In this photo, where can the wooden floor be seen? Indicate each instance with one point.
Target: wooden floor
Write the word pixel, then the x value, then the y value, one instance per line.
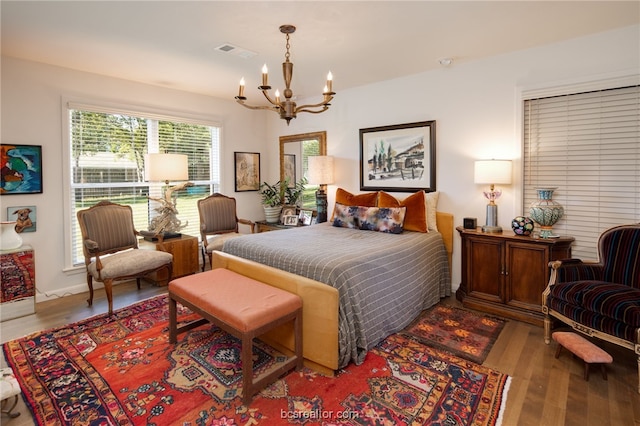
pixel 544 390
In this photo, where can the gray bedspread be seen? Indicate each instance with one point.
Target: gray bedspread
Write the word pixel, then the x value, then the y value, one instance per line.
pixel 384 280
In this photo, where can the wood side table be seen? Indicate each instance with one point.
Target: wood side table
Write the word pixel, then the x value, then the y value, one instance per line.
pixel 185 256
pixel 264 226
pixel 505 274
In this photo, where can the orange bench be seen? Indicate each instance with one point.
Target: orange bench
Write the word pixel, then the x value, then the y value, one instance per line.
pixel 244 308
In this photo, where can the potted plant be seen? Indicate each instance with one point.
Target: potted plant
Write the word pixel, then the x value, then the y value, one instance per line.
pixel 272 198
pixel 293 195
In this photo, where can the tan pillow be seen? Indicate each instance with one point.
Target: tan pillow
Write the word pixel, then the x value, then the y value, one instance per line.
pixel 432 207
pixel 416 216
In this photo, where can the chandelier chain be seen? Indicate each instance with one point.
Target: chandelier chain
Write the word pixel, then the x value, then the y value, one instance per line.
pixel 287 55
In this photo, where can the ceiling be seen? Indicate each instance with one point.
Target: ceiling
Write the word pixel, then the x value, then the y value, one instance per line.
pixel 173 43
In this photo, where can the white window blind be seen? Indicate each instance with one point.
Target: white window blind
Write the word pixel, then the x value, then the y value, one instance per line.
pixel 588 146
pixel 107 149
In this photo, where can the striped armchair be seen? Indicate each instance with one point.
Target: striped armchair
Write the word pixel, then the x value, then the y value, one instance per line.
pixel 110 247
pixel 218 223
pixel 600 299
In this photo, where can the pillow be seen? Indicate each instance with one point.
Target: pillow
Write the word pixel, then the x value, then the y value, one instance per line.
pixel 432 207
pixel 381 219
pixel 345 216
pixel 416 204
pixel 368 199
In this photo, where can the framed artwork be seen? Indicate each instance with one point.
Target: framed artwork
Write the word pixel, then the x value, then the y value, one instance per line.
pixel 306 216
pixel 247 171
pixel 398 158
pixel 21 169
pixel 287 211
pixel 290 220
pixel 289 169
pixel 24 216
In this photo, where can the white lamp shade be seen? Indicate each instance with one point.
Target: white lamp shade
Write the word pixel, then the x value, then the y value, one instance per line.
pixel 166 167
pixel 493 172
pixel 320 170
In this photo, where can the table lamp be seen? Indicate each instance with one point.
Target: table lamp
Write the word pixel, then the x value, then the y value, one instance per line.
pixel 165 168
pixel 320 169
pixel 492 172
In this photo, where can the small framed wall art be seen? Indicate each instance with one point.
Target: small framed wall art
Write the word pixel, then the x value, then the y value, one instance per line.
pixel 247 171
pixel 21 169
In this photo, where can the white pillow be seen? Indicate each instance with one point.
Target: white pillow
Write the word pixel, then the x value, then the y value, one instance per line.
pixel 432 206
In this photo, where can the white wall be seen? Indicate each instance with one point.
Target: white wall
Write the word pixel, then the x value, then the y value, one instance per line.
pixel 476 107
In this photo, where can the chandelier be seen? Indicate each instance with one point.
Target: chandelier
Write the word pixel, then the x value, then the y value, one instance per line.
pixel 287 108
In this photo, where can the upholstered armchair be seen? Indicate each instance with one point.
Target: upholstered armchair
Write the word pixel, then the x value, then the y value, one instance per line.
pixel 218 223
pixel 110 247
pixel 600 298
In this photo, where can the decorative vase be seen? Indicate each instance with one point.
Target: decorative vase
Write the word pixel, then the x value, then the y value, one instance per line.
pixel 522 225
pixel 9 239
pixel 272 214
pixel 545 211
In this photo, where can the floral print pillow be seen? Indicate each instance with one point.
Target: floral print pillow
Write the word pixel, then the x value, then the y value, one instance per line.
pixel 380 219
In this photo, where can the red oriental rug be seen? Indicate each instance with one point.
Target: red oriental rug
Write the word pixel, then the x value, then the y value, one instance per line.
pixel 121 370
pixel 466 334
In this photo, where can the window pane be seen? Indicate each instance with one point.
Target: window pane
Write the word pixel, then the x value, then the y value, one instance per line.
pixel 108 152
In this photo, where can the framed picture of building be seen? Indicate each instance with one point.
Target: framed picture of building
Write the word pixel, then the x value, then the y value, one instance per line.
pixel 400 158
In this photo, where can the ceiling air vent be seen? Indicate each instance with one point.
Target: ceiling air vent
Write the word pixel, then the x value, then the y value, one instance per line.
pixel 236 51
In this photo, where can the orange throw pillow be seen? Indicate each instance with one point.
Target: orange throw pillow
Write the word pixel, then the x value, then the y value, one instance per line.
pixel 368 199
pixel 416 217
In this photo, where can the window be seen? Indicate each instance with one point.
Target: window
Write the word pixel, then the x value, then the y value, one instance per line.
pixel 588 145
pixel 106 162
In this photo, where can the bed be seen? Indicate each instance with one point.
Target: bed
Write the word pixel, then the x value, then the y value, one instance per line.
pixel 383 281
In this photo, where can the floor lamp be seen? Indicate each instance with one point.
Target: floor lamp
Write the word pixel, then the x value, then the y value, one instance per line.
pixel 492 172
pixel 320 170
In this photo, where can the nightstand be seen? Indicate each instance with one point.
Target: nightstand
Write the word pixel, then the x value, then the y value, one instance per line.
pixel 505 274
pixel 264 226
pixel 185 256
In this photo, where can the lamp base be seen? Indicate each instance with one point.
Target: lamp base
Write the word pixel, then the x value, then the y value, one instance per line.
pixel 321 206
pixel 491 229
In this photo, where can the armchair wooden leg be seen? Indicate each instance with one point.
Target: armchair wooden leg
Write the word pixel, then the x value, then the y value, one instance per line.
pixel 108 288
pixel 638 373
pixel 547 329
pixel 90 284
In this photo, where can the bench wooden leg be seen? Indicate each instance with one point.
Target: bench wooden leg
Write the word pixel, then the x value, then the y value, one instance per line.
pixel 173 322
pixel 247 368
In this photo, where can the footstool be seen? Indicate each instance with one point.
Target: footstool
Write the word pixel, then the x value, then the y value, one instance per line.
pixel 583 349
pixel 9 387
pixel 244 308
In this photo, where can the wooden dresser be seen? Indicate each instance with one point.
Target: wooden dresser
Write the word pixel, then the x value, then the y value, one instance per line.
pixel 505 274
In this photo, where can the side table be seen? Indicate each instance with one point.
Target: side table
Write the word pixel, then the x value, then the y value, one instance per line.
pixel 185 256
pixel 17 282
pixel 264 226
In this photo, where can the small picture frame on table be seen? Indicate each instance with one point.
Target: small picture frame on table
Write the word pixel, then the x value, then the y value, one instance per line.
pixel 306 216
pixel 290 220
pixel 287 211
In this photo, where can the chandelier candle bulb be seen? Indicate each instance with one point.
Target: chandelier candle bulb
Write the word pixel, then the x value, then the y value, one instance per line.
pixel 329 82
pixel 241 88
pixel 265 75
